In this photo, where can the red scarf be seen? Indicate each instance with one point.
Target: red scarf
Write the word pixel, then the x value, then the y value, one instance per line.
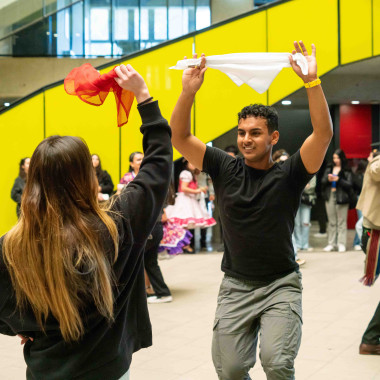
pixel 92 87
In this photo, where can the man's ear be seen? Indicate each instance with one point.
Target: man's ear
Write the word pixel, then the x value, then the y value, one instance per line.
pixel 275 137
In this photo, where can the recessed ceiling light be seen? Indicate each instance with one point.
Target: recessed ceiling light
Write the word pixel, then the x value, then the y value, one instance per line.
pixel 355 102
pixel 6 104
pixel 286 102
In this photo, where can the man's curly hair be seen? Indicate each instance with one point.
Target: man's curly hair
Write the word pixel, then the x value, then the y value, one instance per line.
pixel 260 111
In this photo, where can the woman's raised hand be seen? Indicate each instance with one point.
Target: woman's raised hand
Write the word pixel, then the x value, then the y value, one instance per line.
pixel 131 80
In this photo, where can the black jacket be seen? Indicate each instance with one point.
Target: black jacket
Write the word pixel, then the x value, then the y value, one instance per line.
pixel 105 350
pixel 343 186
pixel 16 192
pixel 105 182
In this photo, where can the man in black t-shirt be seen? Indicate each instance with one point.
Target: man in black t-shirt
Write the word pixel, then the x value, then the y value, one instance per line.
pixel 258 200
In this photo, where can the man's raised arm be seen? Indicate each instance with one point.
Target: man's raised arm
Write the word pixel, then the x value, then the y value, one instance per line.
pixel 188 145
pixel 314 148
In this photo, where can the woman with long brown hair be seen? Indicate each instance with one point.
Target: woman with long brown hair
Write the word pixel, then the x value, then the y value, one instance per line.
pixel 71 272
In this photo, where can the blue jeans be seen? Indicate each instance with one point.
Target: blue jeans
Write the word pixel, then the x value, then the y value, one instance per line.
pixel 302 226
pixel 358 228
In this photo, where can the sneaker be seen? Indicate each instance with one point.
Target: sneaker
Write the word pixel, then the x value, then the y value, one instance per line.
pixel 164 299
pixel 163 255
pixel 341 248
pixel 310 249
pixel 300 262
pixel 320 235
pixel 328 248
pixel 357 247
pixel 150 295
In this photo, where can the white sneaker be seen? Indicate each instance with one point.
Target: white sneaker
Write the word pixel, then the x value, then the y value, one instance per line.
pixel 328 248
pixel 319 235
pixel 160 299
pixel 341 248
pixel 300 262
pixel 357 247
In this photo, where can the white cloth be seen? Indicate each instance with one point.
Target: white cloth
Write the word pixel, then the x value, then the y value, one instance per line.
pixel 258 70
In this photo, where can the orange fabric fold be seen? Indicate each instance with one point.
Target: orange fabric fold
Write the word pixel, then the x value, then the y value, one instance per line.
pixel 93 88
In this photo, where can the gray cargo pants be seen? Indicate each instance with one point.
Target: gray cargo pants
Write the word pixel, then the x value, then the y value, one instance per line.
pixel 246 308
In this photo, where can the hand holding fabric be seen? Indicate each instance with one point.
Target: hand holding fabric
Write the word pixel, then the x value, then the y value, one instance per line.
pixel 93 88
pixel 193 76
pixel 311 62
pixel 129 79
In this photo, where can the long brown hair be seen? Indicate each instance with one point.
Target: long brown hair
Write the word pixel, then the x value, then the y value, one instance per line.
pixel 55 253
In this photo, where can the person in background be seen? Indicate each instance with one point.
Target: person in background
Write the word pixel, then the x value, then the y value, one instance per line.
pixel 71 270
pixel 232 151
pixel 336 184
pixel 204 181
pixel 154 278
pixel 19 184
pixel 280 156
pixel 302 221
pixel 105 187
pixel 188 211
pixel 135 160
pixel 369 204
pixel 357 185
pixel 320 206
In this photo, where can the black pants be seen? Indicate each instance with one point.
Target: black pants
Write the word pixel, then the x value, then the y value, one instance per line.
pixel 321 214
pixel 372 334
pixel 151 262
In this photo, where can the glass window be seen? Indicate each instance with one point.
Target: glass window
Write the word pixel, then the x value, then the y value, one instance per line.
pixel 51 6
pixel 126 27
pixel 203 14
pixel 189 16
pixel 77 34
pixel 6 46
pixel 97 28
pixel 176 25
pixel 17 14
pixel 153 24
pixel 36 40
pixel 64 32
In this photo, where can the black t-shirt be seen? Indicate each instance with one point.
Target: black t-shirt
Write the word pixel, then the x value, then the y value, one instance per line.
pixel 257 211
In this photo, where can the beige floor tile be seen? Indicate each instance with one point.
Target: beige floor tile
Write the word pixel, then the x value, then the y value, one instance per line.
pixel 337 309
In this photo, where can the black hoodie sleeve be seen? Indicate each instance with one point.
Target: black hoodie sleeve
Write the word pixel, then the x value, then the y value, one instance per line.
pixel 142 200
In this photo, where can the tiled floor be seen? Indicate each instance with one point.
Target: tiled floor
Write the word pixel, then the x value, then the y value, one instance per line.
pixel 337 309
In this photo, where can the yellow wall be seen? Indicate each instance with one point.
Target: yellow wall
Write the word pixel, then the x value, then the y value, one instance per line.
pixel 355 30
pixel 164 85
pixel 219 100
pixel 376 27
pixel 67 115
pixel 313 21
pixel 21 131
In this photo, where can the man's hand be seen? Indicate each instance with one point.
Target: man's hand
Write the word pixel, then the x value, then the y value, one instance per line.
pixel 311 61
pixel 131 80
pixel 193 77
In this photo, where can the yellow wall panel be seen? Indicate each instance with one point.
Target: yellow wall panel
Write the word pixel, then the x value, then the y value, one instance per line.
pixel 219 100
pixel 355 30
pixel 376 27
pixel 313 21
pixel 164 85
pixel 67 115
pixel 21 130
